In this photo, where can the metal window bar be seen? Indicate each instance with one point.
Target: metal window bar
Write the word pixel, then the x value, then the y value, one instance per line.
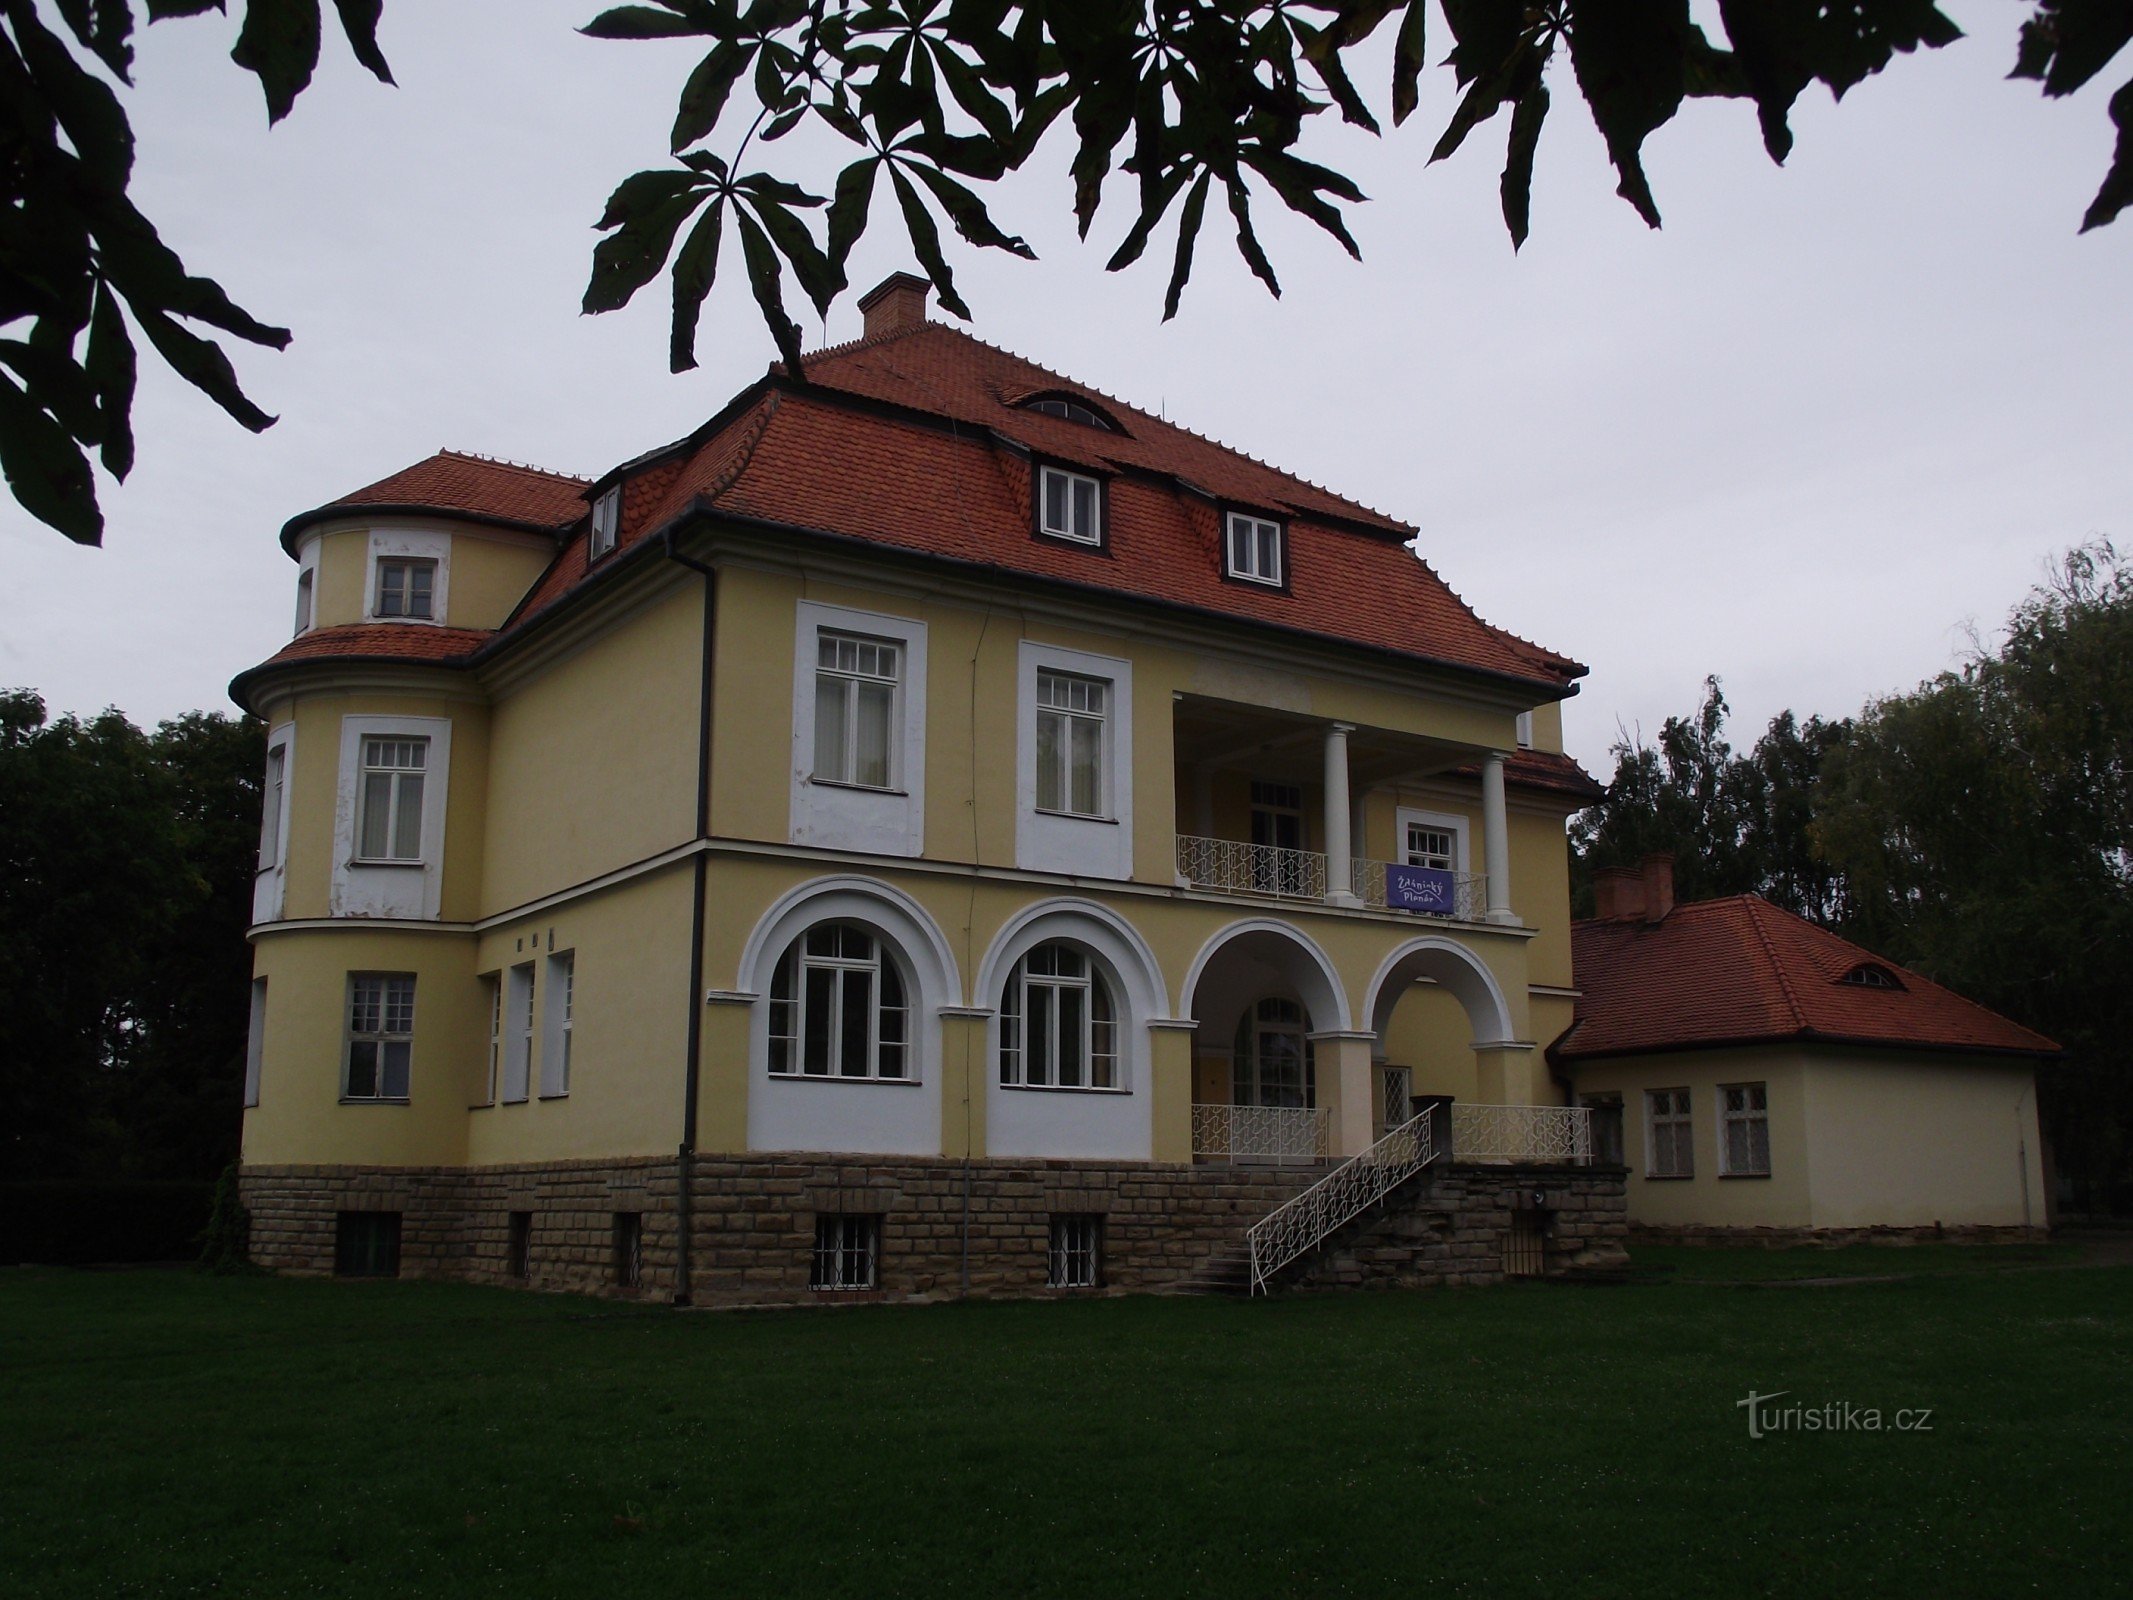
pixel 1340 1196
pixel 1275 1134
pixel 1244 868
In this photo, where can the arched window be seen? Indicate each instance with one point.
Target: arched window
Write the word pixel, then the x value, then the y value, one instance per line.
pixel 1272 1064
pixel 1058 1023
pixel 837 1007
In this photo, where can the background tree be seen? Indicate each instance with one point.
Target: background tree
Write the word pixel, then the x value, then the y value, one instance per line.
pixel 125 870
pixel 930 101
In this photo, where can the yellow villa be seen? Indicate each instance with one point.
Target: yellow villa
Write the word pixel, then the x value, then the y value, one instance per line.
pixel 934 829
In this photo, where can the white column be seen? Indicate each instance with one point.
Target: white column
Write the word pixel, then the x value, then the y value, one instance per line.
pixel 1496 839
pixel 1340 889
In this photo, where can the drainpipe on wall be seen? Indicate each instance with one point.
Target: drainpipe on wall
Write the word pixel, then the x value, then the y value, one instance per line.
pixel 685 1157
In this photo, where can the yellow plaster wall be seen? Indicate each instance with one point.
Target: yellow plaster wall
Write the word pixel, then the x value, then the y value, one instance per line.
pixel 630 999
pixel 1909 1141
pixel 593 761
pixel 1781 1200
pixel 300 1116
pixel 491 570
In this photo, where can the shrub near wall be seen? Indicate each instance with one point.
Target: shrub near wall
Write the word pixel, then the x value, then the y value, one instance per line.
pixel 76 1224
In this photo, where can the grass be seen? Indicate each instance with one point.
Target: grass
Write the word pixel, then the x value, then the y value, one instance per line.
pixel 1693 1264
pixel 167 1435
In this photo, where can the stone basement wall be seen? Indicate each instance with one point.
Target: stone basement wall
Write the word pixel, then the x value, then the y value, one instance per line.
pixel 1452 1225
pixel 754 1220
pixel 1831 1238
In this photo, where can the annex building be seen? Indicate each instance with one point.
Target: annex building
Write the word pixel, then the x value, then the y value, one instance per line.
pixel 934 829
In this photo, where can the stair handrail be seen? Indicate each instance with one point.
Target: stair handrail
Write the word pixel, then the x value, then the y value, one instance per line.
pixel 1303 1222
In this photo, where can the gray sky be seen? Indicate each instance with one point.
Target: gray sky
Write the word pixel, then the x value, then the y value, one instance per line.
pixel 1801 438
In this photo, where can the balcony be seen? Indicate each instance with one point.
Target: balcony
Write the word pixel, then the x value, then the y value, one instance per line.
pixel 1235 867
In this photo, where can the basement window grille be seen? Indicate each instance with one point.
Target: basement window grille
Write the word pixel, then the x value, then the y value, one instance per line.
pixel 847 1253
pixel 1076 1252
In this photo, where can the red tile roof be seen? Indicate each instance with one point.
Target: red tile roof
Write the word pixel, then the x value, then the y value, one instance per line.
pixel 465 486
pixel 913 442
pixel 1742 971
pixel 380 641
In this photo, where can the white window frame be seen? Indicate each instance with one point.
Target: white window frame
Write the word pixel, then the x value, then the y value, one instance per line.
pixel 1057 692
pixel 271 875
pixel 1524 733
pixel 1046 477
pixel 1449 822
pixel 559 992
pixel 492 984
pixel 851 679
pixel 391 888
pixel 846 1256
pixel 1098 845
pixel 606 522
pixel 395 577
pixel 378 756
pixel 409 544
pixel 1259 534
pixel 306 599
pixel 1748 1117
pixel 1092 1060
pixel 1683 1119
pixel 1074 1257
pixel 832 814
pixel 518 1033
pixel 789 1034
pixel 273 796
pixel 392 989
pixel 255 1043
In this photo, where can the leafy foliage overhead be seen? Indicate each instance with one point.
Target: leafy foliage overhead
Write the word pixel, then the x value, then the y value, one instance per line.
pixel 1181 97
pixel 81 269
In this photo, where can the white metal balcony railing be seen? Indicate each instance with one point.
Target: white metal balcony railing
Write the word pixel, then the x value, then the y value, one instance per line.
pixel 1242 868
pixel 1546 1135
pixel 1341 1195
pixel 1278 1134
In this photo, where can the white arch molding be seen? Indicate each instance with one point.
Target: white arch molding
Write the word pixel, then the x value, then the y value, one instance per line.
pixel 1317 982
pixel 857 1116
pixel 1088 1124
pixel 1454 968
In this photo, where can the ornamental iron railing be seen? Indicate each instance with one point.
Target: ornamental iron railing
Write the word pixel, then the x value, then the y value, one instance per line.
pixel 1339 1197
pixel 1277 1134
pixel 1540 1135
pixel 1251 868
pixel 1470 892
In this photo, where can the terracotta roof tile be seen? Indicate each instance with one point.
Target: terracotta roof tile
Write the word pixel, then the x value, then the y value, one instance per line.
pixel 473 486
pixel 380 641
pixel 1741 971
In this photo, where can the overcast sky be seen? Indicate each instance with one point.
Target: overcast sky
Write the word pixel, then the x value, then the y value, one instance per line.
pixel 1804 437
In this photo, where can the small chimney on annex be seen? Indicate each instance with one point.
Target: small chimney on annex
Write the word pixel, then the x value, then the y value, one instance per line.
pixel 894 304
pixel 1657 871
pixel 1617 892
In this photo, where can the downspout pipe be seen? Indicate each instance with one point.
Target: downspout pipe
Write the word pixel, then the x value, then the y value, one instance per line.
pixel 685 1156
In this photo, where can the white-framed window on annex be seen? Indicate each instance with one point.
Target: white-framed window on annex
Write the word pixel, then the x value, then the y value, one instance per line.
pixel 1070 505
pixel 1058 1023
pixel 857 702
pixel 1075 1258
pixel 606 523
pixel 1669 1134
pixel 1253 550
pixel 381 1036
pixel 273 789
pixel 1073 714
pixel 389 798
pixel 406 588
pixel 1744 1130
pixel 555 1042
pixel 839 1008
pixel 847 1253
pixel 305 591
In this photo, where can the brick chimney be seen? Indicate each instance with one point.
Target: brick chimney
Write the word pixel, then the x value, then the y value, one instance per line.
pixel 1657 871
pixel 894 304
pixel 1618 892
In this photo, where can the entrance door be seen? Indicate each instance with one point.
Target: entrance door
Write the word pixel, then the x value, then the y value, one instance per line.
pixel 1606 1112
pixel 1277 822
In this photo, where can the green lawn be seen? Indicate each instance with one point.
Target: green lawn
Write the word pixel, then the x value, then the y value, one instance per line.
pixel 165 1435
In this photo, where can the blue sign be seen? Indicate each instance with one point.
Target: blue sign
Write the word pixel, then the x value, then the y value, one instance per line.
pixel 1430 890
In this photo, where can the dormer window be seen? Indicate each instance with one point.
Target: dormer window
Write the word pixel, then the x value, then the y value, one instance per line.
pixel 606 521
pixel 1253 550
pixel 1069 409
pixel 1070 505
pixel 1871 975
pixel 406 589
